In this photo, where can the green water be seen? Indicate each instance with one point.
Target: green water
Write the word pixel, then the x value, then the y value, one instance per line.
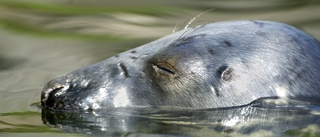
pixel 41 40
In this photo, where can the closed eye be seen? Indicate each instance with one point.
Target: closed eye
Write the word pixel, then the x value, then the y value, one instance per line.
pixel 163 69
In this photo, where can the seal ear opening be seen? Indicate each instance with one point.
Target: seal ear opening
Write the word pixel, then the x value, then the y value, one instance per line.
pixel 225 73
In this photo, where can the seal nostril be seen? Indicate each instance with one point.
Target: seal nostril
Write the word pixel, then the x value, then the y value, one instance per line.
pixel 50 92
pixel 49 99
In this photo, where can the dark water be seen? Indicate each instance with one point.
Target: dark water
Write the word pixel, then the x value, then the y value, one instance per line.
pixel 44 39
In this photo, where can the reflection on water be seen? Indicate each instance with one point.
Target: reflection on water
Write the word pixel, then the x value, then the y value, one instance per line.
pixel 41 40
pixel 254 120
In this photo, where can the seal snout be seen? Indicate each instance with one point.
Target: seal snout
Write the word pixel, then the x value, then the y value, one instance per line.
pixel 52 91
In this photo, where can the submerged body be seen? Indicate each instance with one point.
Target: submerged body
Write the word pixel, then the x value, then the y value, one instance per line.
pixel 216 65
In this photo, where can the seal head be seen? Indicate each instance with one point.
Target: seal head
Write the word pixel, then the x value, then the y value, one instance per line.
pixel 224 64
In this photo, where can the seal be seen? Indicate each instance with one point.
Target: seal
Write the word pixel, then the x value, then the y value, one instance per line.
pixel 218 65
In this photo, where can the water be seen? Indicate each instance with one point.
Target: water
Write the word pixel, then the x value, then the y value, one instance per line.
pixel 41 40
pixel 242 121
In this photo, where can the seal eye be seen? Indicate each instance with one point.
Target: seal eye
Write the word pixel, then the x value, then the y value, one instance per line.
pixel 162 69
